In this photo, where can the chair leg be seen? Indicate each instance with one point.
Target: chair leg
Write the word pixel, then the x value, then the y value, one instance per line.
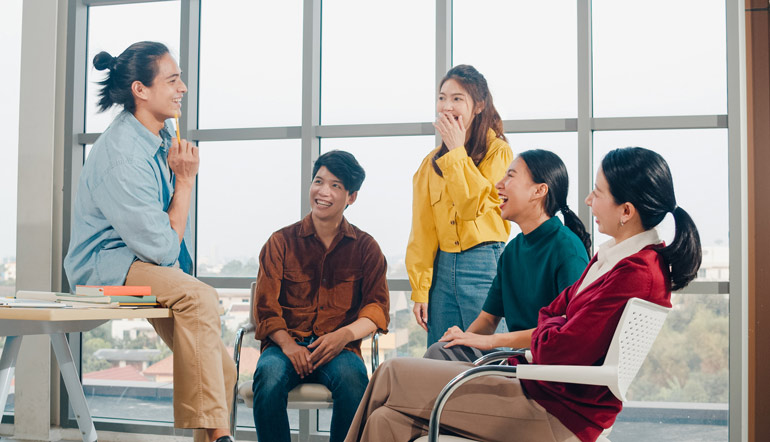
pixel 304 426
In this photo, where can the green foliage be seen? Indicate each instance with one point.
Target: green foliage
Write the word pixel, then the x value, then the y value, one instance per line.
pixel 688 362
pixel 90 363
pixel 238 268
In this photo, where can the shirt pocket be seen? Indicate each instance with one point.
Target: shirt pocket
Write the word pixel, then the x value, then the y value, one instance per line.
pixel 297 289
pixel 347 283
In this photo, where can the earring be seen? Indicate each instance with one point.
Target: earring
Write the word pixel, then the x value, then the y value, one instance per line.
pixel 622 223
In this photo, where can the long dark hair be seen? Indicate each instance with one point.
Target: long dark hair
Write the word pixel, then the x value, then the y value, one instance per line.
pixel 139 62
pixel 476 85
pixel 546 167
pixel 641 177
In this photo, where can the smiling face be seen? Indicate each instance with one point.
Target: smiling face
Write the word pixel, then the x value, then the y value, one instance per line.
pixel 164 98
pixel 328 196
pixel 607 213
pixel 519 194
pixel 454 100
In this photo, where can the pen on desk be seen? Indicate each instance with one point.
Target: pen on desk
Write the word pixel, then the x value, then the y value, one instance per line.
pixel 176 120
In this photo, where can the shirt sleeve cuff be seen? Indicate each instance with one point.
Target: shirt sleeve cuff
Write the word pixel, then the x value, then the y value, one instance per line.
pixel 268 326
pixel 374 313
pixel 451 157
pixel 420 296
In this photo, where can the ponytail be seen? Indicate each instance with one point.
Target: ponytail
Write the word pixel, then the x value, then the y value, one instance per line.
pixel 139 62
pixel 572 222
pixel 642 177
pixel 546 167
pixel 684 254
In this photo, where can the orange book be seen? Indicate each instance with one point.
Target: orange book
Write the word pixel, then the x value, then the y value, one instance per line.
pixel 113 290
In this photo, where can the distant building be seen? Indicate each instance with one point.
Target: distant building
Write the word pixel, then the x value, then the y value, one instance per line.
pixel 129 329
pixel 8 271
pixel 163 370
pixel 137 358
pixel 127 373
pixel 716 264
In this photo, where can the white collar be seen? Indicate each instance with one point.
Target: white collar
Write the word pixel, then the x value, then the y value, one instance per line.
pixel 611 252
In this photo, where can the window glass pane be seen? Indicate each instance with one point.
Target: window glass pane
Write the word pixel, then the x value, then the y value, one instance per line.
pixel 250 75
pixel 681 391
pixel 659 57
pixel 701 189
pixel 113 29
pixel 563 144
pixel 10 53
pixel 526 51
pixel 245 193
pixel 384 205
pixel 378 61
pixel 127 372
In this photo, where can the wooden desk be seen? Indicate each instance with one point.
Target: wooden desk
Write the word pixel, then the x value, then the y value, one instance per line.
pixel 15 323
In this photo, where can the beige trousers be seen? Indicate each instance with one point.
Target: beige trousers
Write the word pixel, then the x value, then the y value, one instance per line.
pixel 204 372
pixel 398 401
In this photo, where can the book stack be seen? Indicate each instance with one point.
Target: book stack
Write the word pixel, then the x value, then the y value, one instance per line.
pixel 97 296
pixel 124 295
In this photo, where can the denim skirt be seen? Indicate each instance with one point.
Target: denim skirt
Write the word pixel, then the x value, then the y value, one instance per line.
pixel 461 282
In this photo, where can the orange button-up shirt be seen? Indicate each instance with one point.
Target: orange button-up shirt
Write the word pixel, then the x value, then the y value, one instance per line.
pixel 305 288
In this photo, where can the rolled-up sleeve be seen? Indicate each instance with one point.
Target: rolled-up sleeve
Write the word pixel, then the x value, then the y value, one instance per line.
pixel 375 303
pixel 128 198
pixel 266 305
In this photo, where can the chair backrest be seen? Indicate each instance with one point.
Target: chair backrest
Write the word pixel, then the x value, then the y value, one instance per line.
pixel 638 327
pixel 252 318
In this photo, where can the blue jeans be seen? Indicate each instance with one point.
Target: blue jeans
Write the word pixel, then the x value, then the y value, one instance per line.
pixel 345 376
pixel 461 282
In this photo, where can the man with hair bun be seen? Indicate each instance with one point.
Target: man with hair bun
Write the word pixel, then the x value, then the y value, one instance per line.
pixel 321 288
pixel 130 226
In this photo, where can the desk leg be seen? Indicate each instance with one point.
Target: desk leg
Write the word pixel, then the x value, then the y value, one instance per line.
pixel 74 388
pixel 7 367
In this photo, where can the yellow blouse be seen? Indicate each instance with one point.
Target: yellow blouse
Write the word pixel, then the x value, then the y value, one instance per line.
pixel 454 212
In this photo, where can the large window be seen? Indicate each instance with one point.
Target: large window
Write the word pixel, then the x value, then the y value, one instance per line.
pixel 273 85
pixel 10 53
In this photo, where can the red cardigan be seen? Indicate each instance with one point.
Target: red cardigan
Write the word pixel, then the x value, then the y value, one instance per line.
pixel 584 337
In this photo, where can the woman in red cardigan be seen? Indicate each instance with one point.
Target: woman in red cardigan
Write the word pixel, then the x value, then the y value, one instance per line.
pixel 633 193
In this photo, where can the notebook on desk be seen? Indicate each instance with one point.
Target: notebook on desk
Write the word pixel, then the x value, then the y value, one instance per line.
pixel 29 303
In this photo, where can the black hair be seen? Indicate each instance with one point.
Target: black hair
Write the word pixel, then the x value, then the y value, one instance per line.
pixel 344 166
pixel 641 177
pixel 139 62
pixel 546 167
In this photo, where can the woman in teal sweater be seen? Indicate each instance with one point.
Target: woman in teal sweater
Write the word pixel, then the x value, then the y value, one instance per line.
pixel 545 258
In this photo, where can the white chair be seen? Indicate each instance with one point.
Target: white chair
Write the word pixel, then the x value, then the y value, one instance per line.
pixel 304 397
pixel 638 327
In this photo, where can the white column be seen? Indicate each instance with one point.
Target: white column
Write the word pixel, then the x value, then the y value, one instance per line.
pixel 38 233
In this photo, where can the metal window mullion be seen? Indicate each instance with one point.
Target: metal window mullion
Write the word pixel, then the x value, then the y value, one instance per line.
pixel 189 45
pixel 74 156
pixel 585 105
pixel 117 2
pixel 660 122
pixel 311 95
pixel 737 152
pixel 443 45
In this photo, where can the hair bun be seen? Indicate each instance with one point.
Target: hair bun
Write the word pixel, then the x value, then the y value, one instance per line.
pixel 103 60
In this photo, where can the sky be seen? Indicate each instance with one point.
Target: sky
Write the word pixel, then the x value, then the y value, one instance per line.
pixel 645 63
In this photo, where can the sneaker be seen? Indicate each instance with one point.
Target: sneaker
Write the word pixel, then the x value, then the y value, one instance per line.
pixel 225 439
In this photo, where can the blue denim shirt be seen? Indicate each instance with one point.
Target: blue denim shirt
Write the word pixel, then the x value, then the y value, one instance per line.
pixel 120 208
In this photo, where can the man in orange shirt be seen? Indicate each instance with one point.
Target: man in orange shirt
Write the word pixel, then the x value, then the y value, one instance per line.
pixel 321 288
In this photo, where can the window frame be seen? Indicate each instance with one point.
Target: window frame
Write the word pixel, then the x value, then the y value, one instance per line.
pixel 311 132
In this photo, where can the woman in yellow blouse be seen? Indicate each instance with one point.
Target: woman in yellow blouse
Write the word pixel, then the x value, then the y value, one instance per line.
pixel 457 232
